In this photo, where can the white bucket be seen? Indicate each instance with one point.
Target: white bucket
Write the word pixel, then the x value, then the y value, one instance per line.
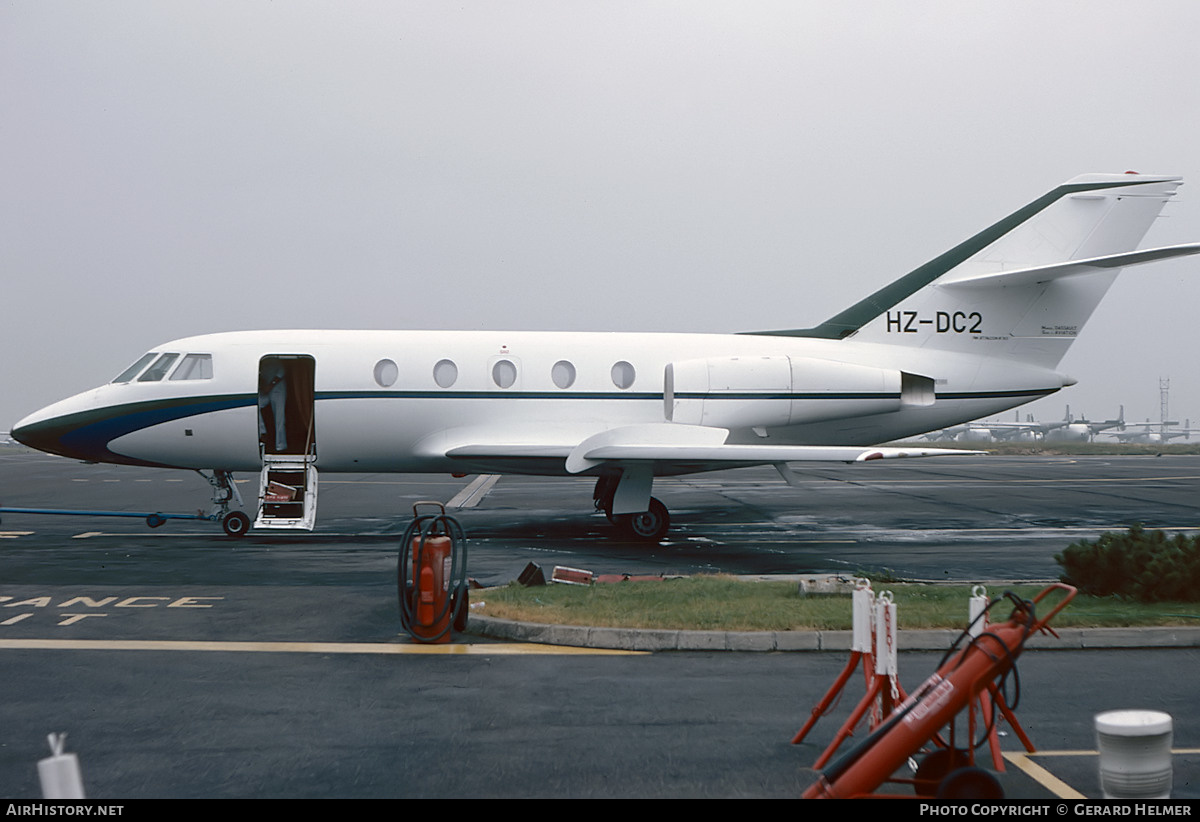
pixel 1135 754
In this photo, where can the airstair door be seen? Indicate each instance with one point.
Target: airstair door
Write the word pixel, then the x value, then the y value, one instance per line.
pixel 287 497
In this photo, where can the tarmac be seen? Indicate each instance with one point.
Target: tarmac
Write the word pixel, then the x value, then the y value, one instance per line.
pixel 187 665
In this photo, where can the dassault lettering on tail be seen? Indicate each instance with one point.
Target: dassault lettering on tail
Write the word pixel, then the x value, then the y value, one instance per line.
pixel 973 332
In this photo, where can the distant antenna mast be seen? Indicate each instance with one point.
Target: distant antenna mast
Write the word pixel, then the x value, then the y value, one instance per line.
pixel 1164 388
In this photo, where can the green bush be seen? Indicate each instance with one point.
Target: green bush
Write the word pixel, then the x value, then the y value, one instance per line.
pixel 1146 566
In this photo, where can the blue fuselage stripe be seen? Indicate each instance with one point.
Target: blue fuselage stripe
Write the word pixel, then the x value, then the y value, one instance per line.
pixel 86 435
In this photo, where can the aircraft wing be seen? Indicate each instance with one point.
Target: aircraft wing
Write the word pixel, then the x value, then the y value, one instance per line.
pixel 1013 426
pixel 674 448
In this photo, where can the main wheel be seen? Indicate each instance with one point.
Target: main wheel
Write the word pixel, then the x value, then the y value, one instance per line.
pixel 936 766
pixel 236 524
pixel 649 525
pixel 970 783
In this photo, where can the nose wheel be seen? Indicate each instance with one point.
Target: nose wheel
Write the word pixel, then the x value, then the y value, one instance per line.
pixel 236 523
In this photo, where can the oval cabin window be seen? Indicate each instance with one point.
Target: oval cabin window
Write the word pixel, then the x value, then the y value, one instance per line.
pixel 623 374
pixel 386 373
pixel 563 374
pixel 504 373
pixel 445 373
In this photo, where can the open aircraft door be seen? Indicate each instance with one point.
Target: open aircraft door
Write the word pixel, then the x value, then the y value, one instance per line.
pixel 287 497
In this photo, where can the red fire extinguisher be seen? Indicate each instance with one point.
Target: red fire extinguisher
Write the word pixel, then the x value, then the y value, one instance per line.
pixel 431 576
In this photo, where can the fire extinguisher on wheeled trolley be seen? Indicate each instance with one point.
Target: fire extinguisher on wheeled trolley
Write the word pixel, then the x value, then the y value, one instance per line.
pixel 431 576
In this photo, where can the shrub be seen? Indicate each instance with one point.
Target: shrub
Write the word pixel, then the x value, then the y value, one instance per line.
pixel 1146 566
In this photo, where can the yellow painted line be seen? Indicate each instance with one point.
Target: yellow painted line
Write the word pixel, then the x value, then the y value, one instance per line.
pixel 1186 751
pixel 499 648
pixel 1024 762
pixel 1042 776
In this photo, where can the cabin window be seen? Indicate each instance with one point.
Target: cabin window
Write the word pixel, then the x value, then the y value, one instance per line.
pixel 194 367
pixel 504 373
pixel 133 370
pixel 623 374
pixel 563 374
pixel 156 372
pixel 445 373
pixel 386 373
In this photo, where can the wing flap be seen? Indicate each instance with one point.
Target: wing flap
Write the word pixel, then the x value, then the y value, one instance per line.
pixel 761 454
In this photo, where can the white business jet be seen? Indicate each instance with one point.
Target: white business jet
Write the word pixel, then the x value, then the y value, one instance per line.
pixel 975 331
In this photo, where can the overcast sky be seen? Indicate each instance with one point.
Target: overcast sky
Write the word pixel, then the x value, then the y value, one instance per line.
pixel 179 168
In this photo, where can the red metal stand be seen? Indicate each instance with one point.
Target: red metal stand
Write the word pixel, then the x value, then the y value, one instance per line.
pixel 965 679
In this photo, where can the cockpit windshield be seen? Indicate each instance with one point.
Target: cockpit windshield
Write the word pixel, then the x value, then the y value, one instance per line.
pixel 191 367
pixel 133 370
pixel 155 372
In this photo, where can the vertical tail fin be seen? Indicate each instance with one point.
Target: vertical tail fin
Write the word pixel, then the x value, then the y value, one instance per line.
pixel 1023 287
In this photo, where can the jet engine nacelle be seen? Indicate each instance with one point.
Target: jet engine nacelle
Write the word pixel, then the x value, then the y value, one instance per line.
pixel 770 392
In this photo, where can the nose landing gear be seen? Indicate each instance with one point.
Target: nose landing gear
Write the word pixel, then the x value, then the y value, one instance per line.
pixel 235 523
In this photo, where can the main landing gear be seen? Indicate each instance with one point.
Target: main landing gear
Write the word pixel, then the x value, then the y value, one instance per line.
pixel 650 525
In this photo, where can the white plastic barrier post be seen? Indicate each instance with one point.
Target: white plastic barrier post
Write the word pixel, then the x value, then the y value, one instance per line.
pixel 977 605
pixel 885 634
pixel 1135 754
pixel 864 599
pixel 59 773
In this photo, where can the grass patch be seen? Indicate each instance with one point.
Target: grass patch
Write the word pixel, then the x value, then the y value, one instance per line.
pixel 726 603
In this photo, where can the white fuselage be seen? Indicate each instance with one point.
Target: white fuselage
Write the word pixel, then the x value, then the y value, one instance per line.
pixel 378 405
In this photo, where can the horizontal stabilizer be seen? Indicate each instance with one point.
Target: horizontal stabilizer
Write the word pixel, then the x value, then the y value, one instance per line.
pixel 1070 268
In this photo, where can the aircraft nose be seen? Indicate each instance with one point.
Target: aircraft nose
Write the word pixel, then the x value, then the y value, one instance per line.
pixel 61 428
pixel 43 432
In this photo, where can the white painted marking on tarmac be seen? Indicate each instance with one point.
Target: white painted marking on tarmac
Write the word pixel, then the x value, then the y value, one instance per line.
pixel 88 535
pixel 453 649
pixel 474 493
pixel 14 534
